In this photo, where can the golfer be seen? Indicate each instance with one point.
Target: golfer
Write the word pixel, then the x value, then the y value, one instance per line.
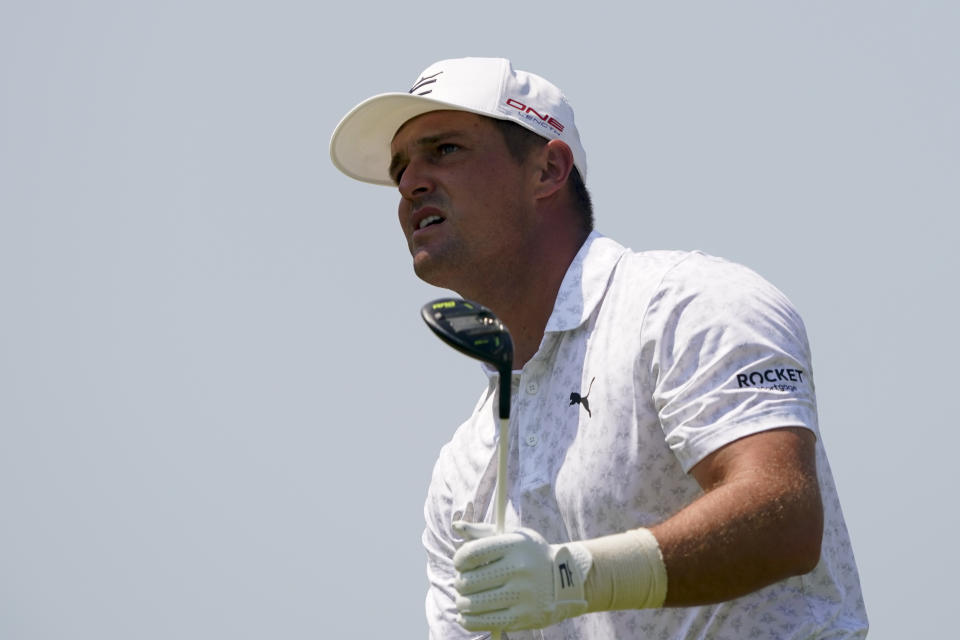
pixel 666 474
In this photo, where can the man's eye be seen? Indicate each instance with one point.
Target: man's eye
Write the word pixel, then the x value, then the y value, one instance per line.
pixel 446 147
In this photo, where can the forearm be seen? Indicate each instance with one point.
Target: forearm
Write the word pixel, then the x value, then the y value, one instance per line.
pixel 760 520
pixel 723 546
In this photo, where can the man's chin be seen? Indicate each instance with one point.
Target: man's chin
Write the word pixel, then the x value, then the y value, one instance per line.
pixel 429 269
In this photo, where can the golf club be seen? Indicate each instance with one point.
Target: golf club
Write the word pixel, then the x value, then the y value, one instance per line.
pixel 473 329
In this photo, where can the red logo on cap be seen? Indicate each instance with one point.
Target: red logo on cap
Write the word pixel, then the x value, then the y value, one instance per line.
pixel 516 104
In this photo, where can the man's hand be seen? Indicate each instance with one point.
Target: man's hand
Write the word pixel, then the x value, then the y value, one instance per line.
pixel 516 580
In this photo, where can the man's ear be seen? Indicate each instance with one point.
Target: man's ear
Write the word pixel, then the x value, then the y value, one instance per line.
pixel 556 164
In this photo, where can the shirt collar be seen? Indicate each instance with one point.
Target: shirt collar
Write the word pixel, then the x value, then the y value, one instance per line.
pixel 585 282
pixel 582 288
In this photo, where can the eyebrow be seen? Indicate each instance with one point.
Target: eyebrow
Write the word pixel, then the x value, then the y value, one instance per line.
pixel 398 158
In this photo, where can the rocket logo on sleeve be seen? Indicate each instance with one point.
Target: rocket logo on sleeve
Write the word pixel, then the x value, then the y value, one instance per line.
pixel 774 379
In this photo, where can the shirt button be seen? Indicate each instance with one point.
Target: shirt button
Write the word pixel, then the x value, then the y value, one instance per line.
pixel 532 440
pixel 532 387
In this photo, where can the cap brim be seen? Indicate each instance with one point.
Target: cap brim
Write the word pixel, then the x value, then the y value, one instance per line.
pixel 360 145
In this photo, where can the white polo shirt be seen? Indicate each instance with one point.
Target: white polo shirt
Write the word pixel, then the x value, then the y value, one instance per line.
pixel 650 362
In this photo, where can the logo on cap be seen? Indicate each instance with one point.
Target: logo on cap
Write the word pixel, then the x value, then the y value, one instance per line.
pixel 422 82
pixel 544 118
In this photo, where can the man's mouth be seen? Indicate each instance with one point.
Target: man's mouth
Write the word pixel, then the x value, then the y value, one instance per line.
pixel 429 220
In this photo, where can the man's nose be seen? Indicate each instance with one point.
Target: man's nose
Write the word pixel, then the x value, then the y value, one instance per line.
pixel 415 181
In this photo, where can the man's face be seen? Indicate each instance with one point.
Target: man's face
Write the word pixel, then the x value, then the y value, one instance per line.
pixel 466 203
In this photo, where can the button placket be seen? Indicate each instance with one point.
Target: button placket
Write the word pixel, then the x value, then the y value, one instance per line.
pixel 528 430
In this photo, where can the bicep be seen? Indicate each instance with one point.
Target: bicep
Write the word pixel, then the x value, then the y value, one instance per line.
pixel 780 456
pixel 770 478
pixel 760 519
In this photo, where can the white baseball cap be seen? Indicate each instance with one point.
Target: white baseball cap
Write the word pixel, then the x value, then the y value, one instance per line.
pixel 360 145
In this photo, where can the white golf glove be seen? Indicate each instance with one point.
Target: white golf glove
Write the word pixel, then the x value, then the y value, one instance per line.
pixel 516 580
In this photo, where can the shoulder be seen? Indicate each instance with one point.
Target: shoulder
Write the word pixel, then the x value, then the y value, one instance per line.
pixel 688 270
pixel 694 270
pixel 662 280
pixel 693 285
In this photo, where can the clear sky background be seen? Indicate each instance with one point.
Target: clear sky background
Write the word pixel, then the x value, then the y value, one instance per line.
pixel 219 408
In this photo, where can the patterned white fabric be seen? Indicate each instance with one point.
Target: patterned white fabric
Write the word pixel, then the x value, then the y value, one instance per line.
pixel 672 355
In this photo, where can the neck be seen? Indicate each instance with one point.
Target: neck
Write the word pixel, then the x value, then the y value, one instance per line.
pixel 524 299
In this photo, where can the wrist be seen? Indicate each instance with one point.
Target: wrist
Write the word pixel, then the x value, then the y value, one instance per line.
pixel 626 572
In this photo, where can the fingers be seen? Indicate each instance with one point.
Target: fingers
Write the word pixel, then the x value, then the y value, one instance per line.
pixel 473 530
pixel 523 543
pixel 476 553
pixel 511 618
pixel 484 602
pixel 488 610
pixel 496 621
pixel 486 577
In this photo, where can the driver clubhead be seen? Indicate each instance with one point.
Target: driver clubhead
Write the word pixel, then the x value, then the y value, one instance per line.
pixel 472 329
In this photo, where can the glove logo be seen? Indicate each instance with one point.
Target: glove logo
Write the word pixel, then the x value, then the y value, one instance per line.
pixel 566 576
pixel 576 398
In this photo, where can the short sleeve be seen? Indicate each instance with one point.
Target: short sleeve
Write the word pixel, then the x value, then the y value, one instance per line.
pixel 730 357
